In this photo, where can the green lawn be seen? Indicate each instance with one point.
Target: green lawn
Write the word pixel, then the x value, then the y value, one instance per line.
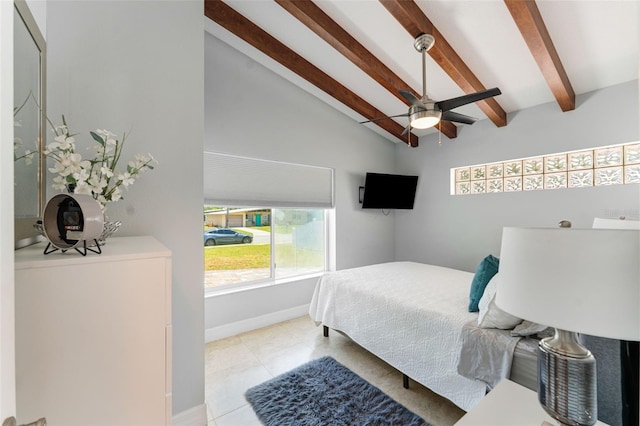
pixel 249 256
pixel 237 256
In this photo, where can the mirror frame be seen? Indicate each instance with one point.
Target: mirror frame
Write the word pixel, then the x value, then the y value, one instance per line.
pixel 25 233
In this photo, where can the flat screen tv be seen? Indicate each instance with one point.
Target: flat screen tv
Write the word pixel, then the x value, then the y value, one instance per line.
pixel 385 191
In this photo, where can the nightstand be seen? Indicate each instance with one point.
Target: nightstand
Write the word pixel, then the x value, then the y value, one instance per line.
pixel 509 404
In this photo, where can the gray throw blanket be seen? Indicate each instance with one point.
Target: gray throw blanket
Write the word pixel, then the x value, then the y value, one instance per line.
pixel 486 354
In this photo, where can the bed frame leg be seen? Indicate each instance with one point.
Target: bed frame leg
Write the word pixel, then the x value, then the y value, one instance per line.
pixel 325 331
pixel 405 381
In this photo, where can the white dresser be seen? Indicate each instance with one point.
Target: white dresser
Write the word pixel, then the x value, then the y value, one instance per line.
pixel 93 334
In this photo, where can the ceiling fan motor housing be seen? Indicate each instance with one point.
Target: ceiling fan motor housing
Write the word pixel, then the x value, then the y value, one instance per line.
pixel 424 42
pixel 421 118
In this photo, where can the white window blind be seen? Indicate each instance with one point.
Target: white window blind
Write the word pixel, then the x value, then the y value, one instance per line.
pixel 240 181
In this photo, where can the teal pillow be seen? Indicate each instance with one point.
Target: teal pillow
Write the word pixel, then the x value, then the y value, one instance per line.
pixel 487 268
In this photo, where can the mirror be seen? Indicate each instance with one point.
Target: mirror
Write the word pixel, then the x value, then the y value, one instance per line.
pixel 29 124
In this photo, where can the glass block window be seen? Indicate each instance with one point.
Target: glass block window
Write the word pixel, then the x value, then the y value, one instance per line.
pixel 532 166
pixel 600 166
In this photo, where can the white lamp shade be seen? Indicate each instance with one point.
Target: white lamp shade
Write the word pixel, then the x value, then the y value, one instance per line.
pixel 581 280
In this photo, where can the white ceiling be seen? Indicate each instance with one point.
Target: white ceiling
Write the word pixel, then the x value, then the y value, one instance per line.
pixel 597 42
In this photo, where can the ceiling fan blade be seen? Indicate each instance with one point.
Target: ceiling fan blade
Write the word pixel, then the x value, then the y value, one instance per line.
pixel 411 98
pixel 406 130
pixel 467 99
pixel 457 117
pixel 373 120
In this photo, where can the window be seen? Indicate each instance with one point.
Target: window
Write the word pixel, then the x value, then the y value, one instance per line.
pixel 299 242
pixel 283 234
pixel 607 165
pixel 245 246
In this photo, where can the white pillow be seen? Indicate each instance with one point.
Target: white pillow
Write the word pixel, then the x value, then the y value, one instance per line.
pixel 491 316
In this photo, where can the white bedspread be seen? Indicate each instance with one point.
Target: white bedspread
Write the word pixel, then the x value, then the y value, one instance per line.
pixel 408 314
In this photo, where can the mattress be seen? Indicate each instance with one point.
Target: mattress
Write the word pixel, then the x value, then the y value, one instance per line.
pixel 409 315
pixel 524 366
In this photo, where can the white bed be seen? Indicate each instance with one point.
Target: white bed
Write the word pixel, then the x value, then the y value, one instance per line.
pixel 410 315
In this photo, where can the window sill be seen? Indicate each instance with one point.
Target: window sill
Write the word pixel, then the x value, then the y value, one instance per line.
pixel 213 292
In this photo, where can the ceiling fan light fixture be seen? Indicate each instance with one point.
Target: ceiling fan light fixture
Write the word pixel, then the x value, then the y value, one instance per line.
pixel 425 119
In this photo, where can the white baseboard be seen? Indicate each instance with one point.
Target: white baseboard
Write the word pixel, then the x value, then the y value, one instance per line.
pixel 195 416
pixel 227 330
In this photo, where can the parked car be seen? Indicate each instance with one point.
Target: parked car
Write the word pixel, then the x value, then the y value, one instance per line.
pixel 217 236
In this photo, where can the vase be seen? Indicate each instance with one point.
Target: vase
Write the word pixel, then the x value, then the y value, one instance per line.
pixel 110 227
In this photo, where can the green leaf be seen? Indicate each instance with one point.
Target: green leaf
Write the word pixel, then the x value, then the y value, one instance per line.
pixel 97 138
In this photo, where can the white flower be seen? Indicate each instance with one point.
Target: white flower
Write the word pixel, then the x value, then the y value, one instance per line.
pixel 116 194
pixel 60 169
pixel 106 172
pixel 28 157
pixel 106 134
pixel 59 183
pixel 81 175
pixel 141 159
pixel 95 176
pixel 68 164
pixel 126 179
pixel 99 149
pixel 82 187
pixel 102 200
pixel 62 143
pixel 97 183
pixel 61 129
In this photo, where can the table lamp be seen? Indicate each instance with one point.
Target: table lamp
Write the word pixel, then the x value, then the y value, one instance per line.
pixel 577 281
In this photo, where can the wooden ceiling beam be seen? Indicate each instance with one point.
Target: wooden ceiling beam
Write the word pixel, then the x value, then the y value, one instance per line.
pixel 415 22
pixel 527 17
pixel 237 24
pixel 307 12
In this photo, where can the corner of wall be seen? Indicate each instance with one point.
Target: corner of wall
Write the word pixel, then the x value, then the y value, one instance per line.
pixel 195 416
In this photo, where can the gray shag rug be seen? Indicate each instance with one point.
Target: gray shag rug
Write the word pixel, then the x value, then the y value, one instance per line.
pixel 324 392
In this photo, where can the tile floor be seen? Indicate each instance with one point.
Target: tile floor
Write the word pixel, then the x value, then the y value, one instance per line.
pixel 234 364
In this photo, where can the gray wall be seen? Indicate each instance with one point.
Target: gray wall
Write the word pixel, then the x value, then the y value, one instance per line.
pixel 253 112
pixel 137 67
pixel 458 231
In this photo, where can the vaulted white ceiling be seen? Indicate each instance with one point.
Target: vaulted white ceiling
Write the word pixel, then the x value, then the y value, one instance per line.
pixel 596 44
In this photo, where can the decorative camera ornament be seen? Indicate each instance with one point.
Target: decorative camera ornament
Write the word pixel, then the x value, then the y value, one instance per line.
pixel 73 221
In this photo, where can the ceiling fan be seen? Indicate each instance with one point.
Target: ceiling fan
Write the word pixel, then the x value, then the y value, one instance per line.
pixel 425 112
